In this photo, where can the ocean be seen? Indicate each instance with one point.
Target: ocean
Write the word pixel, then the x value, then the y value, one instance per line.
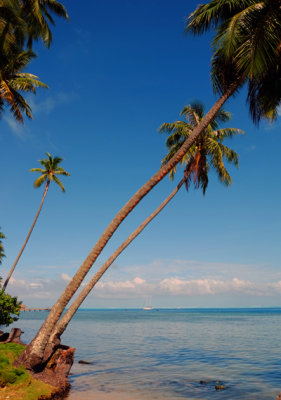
pixel 206 354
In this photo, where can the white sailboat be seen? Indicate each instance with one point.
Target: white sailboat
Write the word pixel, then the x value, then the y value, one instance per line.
pixel 147 306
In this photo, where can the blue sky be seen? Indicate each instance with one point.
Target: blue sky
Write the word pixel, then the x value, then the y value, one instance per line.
pixel 116 72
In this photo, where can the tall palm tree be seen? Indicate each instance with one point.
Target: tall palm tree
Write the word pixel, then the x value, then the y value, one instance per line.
pixel 2 253
pixel 230 71
pixel 208 152
pixel 49 174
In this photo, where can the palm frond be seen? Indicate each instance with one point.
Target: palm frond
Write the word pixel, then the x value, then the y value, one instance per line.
pixel 39 181
pixel 208 151
pixel 209 16
pixel 59 183
pixel 221 134
pixel 57 172
pixel 41 170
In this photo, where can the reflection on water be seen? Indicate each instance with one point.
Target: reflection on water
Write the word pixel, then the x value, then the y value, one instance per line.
pixel 172 354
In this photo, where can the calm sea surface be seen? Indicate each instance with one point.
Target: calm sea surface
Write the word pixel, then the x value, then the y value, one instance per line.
pixel 172 354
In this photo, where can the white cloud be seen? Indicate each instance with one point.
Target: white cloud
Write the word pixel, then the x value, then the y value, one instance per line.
pixel 176 286
pixel 65 277
pixel 50 103
pixel 163 279
pixel 139 281
pixel 15 126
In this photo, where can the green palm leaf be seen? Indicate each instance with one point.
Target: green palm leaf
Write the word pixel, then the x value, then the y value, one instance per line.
pixel 59 183
pixel 50 170
pixel 39 181
pixel 246 48
pixel 207 151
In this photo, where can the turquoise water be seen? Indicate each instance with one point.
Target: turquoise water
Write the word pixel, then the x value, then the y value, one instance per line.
pixel 172 354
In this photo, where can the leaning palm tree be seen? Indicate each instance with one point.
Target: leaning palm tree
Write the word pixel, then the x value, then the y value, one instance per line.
pixel 49 174
pixel 246 54
pixel 207 153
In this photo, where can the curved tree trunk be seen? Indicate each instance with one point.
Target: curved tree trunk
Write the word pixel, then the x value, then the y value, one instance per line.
pixel 33 356
pixel 65 319
pixel 27 238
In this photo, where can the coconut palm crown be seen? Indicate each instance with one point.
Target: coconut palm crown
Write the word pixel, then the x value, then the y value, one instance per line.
pixel 13 81
pixel 21 22
pixel 49 172
pixel 208 151
pixel 246 49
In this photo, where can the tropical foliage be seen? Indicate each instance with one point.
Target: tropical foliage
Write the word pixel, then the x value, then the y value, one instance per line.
pixel 50 171
pixel 13 81
pixel 49 174
pixel 21 22
pixel 246 49
pixel 9 308
pixel 208 150
pixel 38 16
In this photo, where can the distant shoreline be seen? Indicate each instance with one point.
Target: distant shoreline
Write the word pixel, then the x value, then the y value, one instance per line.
pixel 167 309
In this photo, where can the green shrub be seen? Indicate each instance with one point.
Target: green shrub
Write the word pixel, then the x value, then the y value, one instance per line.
pixel 9 308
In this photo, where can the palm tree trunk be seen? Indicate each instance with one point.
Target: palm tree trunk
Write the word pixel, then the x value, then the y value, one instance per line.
pixel 65 319
pixel 33 355
pixel 27 238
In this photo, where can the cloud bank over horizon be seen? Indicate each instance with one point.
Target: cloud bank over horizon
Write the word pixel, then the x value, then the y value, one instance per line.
pixel 175 282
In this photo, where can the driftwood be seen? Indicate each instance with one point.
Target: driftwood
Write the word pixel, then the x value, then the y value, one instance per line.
pixel 12 337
